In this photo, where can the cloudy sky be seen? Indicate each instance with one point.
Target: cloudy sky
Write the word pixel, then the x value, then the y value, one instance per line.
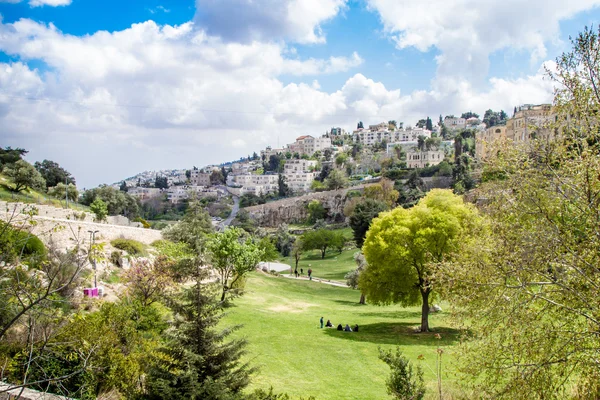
pixel 110 88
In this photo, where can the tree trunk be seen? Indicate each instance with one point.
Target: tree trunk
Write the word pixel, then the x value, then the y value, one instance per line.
pixel 224 292
pixel 425 310
pixel 323 253
pixel 362 299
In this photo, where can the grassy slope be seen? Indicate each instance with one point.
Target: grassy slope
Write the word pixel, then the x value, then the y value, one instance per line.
pixel 333 267
pixel 280 318
pixel 32 196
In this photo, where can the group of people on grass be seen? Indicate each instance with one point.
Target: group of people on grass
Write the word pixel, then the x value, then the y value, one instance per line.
pixel 302 273
pixel 339 327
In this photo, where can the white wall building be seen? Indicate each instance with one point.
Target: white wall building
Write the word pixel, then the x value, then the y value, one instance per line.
pixel 143 193
pixel 455 123
pixel 422 159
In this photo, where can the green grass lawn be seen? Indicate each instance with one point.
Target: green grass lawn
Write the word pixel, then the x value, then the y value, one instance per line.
pixel 33 196
pixel 280 319
pixel 333 267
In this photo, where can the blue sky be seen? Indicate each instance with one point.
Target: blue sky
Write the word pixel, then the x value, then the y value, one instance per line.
pixel 141 93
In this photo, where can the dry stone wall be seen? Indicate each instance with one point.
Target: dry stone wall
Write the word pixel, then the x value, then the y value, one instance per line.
pixel 294 210
pixel 64 230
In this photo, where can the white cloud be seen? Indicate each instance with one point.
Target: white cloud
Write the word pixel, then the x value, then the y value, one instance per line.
pixel 110 105
pixel 51 3
pixel 247 20
pixel 468 31
pixel 41 3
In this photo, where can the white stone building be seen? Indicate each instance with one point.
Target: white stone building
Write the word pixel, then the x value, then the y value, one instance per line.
pixel 455 123
pixel 421 159
pixel 143 193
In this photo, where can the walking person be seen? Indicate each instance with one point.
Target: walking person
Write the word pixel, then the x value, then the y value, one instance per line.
pixel 301 271
pixel 296 272
pixel 309 274
pixel 321 322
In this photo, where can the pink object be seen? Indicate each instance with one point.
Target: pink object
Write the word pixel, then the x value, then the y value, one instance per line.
pixel 90 292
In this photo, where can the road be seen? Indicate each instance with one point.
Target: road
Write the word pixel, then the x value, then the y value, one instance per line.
pixel 234 211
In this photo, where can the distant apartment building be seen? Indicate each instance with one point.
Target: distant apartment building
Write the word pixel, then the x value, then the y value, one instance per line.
pixel 255 184
pixel 177 194
pixel 268 152
pixel 484 138
pixel 336 132
pixel 421 159
pixel 293 166
pixel 299 174
pixel 528 121
pixel 408 135
pixel 454 123
pixel 308 145
pixel 199 178
pixel 143 193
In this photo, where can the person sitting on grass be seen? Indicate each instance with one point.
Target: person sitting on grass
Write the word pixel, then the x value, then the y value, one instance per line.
pixel 356 328
pixel 339 328
pixel 347 328
pixel 328 324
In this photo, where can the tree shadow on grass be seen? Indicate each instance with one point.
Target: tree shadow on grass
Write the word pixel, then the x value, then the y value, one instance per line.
pixel 399 333
pixel 398 315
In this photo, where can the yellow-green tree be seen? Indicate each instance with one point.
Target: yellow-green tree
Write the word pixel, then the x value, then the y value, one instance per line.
pixel 403 248
pixel 529 289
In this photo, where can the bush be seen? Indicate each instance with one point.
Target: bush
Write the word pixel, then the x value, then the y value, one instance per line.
pixel 115 258
pixel 131 246
pixel 402 382
pixel 14 243
pixel 144 223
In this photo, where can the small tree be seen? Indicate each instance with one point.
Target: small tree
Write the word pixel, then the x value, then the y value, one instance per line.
pixel 322 239
pixel 297 250
pixel 232 256
pixel 24 175
pixel 316 211
pixel 60 190
pixel 403 383
pixel 99 209
pixel 336 180
pixel 147 281
pixel 360 220
pixel 193 228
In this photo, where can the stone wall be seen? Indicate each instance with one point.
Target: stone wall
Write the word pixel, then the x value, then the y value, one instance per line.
pixel 58 226
pixel 293 210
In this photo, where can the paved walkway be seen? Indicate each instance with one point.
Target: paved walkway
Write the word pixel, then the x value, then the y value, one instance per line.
pixel 325 281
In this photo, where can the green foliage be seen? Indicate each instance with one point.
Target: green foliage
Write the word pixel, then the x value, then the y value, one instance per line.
pixel 196 361
pixel 54 174
pixel 268 249
pixel 131 246
pixel 336 180
pixel 100 209
pixel 360 220
pixel 16 243
pixel 8 156
pixel 323 239
pixel 192 229
pixel 403 248
pixel 283 240
pixel 142 221
pixel 117 202
pixel 232 254
pixel 283 189
pixel 444 169
pixel 403 383
pixel 60 191
pixel 24 176
pixel 115 258
pixel 528 286
pixel 250 199
pixel 316 211
pixel 161 182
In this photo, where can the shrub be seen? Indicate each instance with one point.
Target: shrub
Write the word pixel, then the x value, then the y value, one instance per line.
pixel 402 382
pixel 144 223
pixel 131 246
pixel 115 258
pixel 16 243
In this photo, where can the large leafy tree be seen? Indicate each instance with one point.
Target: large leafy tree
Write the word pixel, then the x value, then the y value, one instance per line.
pixel 404 246
pixel 61 191
pixel 24 176
pixel 529 289
pixel 8 155
pixel 54 173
